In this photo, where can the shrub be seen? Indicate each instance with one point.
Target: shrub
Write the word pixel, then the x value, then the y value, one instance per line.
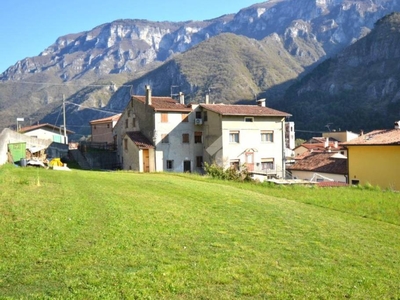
pixel 216 171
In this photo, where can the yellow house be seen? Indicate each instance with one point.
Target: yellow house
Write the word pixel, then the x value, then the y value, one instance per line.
pixel 375 158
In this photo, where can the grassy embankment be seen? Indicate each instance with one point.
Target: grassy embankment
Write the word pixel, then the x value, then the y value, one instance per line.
pixel 86 235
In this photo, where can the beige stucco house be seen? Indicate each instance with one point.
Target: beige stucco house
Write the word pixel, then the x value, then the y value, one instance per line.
pixel 154 134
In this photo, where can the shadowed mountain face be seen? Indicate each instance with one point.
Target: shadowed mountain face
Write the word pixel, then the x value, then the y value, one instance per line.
pixel 261 49
pixel 358 89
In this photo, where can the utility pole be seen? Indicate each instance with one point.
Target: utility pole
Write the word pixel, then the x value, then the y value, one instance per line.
pixel 64 121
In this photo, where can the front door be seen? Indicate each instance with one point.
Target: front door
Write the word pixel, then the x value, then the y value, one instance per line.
pixel 146 160
pixel 250 161
pixel 186 166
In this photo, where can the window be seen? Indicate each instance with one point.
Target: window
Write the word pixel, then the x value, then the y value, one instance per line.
pixel 267 136
pixel 94 127
pixel 126 123
pixel 199 161
pixel 170 164
pixel 185 117
pixel 185 138
pixel 129 113
pixel 164 118
pixel 164 138
pixel 198 137
pixel 198 114
pixel 205 117
pixel 267 164
pixel 108 125
pixel 233 136
pixel 355 182
pixel 133 122
pixel 249 119
pixel 126 144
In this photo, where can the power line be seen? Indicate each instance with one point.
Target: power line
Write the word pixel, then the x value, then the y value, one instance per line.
pixel 92 108
pixel 64 84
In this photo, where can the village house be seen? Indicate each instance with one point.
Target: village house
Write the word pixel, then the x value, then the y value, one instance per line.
pixel 162 134
pixel 320 167
pixel 47 132
pixel 250 135
pixel 374 158
pixel 152 134
pixel 102 129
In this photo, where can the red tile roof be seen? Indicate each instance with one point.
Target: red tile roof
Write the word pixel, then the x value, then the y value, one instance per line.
pixel 377 137
pixel 140 140
pixel 164 104
pixel 44 125
pixel 321 146
pixel 106 120
pixel 321 162
pixel 244 110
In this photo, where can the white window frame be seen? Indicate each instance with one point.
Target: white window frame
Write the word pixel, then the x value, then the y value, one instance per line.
pixel 267 136
pixel 265 162
pixel 234 136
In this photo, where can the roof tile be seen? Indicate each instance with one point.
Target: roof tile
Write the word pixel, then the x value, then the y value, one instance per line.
pixel 140 140
pixel 244 110
pixel 321 162
pixel 377 137
pixel 164 104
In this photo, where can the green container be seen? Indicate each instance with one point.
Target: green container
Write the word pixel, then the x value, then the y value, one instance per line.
pixel 17 150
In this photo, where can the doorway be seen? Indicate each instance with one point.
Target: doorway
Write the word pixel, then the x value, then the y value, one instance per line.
pixel 250 161
pixel 187 166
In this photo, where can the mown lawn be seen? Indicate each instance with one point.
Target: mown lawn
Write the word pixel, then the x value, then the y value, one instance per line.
pixel 118 235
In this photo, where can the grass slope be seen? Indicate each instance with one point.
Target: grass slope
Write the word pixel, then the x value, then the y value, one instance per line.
pixel 118 235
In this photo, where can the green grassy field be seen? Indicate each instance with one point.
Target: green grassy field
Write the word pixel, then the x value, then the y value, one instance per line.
pixel 119 235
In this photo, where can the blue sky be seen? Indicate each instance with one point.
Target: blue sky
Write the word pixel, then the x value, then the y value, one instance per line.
pixel 29 27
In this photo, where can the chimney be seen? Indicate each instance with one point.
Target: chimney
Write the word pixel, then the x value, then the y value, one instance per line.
pixel 207 99
pixel 397 125
pixel 148 95
pixel 181 98
pixel 362 132
pixel 326 142
pixel 261 102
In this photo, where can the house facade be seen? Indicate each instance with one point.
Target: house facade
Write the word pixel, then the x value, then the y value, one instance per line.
pixel 102 129
pixel 177 137
pixel 374 158
pixel 250 135
pixel 47 132
pixel 158 130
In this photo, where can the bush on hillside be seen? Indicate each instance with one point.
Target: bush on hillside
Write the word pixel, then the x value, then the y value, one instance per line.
pixel 219 172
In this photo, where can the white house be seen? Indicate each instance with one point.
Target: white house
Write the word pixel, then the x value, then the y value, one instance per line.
pixel 46 132
pixel 250 135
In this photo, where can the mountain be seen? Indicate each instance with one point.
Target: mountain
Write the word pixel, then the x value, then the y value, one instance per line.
pixel 276 41
pixel 358 89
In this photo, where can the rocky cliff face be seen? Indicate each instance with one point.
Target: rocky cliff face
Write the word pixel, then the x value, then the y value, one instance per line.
pixel 357 89
pixel 309 30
